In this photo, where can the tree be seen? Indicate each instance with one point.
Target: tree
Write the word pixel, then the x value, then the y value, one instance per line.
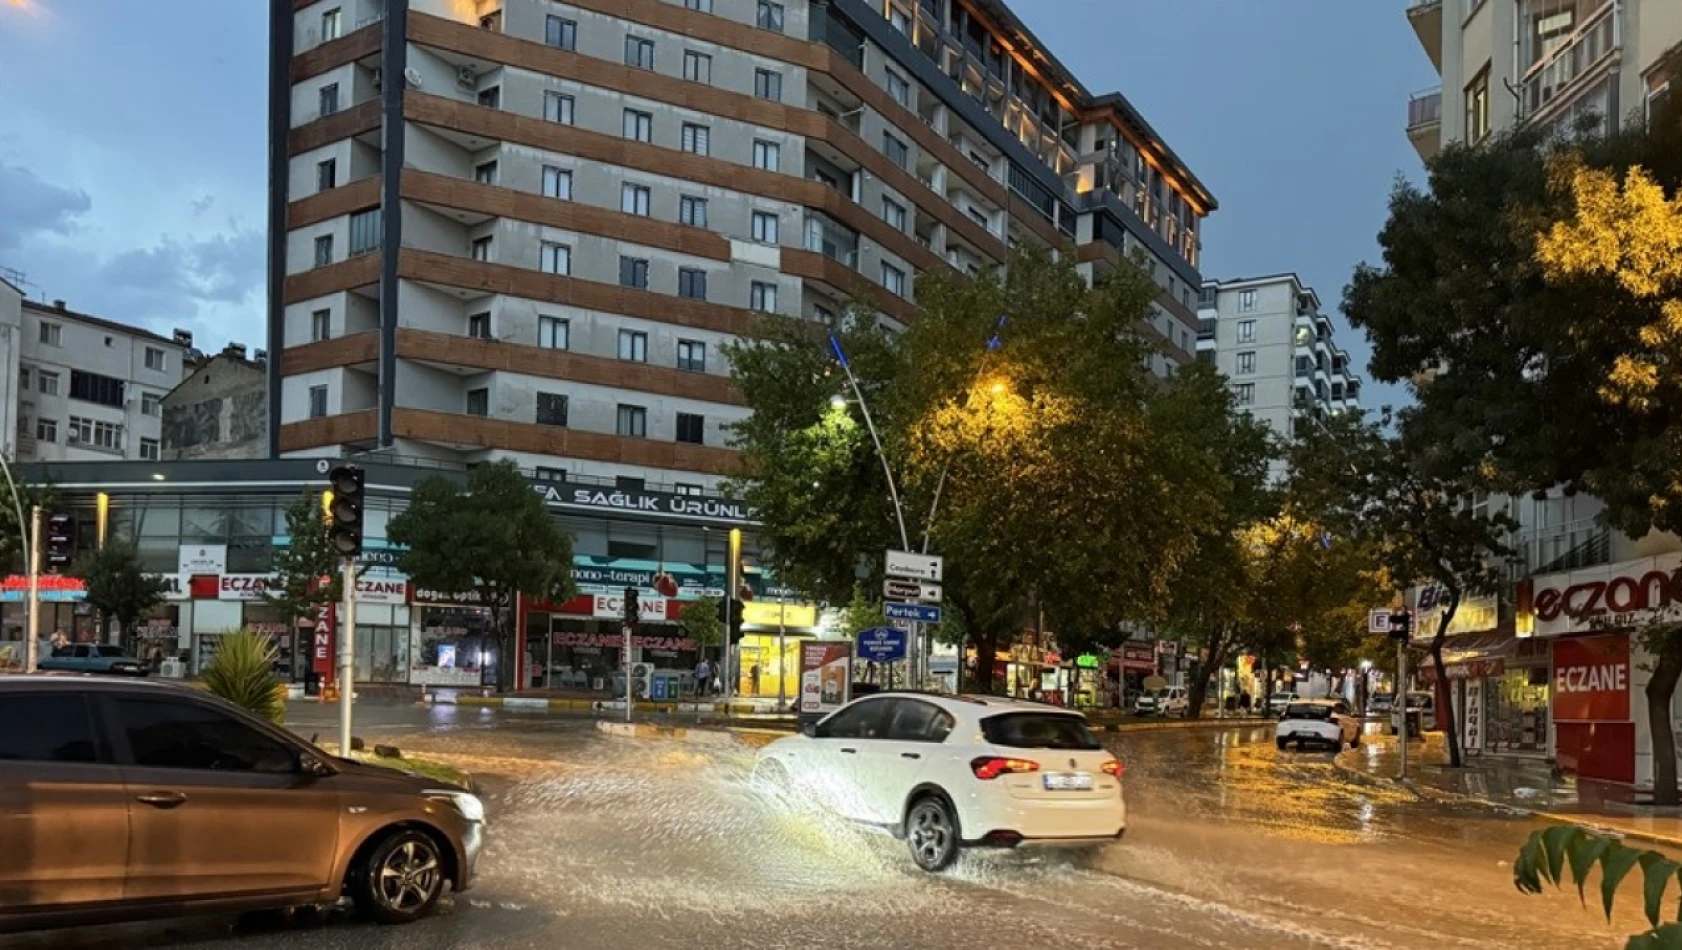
pixel 296 591
pixel 118 587
pixel 1373 489
pixel 703 621
pixel 1552 853
pixel 242 672
pixel 493 537
pixel 14 540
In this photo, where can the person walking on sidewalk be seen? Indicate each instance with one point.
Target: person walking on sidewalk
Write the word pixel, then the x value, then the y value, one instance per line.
pixel 703 677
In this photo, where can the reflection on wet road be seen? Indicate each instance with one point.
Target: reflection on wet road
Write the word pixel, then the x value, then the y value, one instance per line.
pixel 608 843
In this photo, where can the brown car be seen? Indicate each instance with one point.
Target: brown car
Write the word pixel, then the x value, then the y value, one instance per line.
pixel 124 799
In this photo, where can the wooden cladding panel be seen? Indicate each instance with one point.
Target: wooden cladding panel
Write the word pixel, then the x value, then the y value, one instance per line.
pixel 450 428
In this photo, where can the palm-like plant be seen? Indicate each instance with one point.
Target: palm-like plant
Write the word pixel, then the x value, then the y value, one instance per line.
pixel 242 672
pixel 1554 852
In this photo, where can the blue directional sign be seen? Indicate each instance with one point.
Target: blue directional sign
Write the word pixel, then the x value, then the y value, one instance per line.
pixel 917 613
pixel 882 644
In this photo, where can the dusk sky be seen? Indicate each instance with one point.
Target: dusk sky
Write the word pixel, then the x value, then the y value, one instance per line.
pixel 132 168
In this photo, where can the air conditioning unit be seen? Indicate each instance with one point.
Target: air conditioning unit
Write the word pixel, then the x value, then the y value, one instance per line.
pixel 467 77
pixel 412 76
pixel 379 78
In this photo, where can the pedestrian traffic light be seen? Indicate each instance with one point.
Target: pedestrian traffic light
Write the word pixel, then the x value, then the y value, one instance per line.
pixel 1401 626
pixel 344 532
pixel 633 611
pixel 61 541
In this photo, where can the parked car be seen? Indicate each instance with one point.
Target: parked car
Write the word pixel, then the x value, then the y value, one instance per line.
pixel 128 799
pixel 1278 701
pixel 945 773
pixel 1325 722
pixel 93 658
pixel 1167 701
pixel 1381 703
pixel 1422 706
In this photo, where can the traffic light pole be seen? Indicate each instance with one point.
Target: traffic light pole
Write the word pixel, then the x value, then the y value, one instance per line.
pixel 32 647
pixel 1402 697
pixel 347 657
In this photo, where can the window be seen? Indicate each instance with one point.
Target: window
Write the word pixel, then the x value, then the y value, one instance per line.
pixel 491 21
pixel 899 21
pixel 696 138
pixel 899 88
pixel 763 297
pixel 557 183
pixel 364 232
pixel 691 428
pixel 47 382
pixel 893 278
pixel 639 52
pixel 557 107
pixel 151 404
pixel 481 248
pixel 326 174
pixel 639 125
pixel 692 211
pixel 321 326
pixel 1244 394
pixel 700 6
pixel 175 734
pixel 485 173
pixel 633 422
pixel 324 250
pixel 479 326
pixel 555 258
pixel 685 488
pixel 894 213
pixel 1477 108
pixel 560 33
pixel 491 98
pixel 154 359
pixel 479 402
pixel 96 388
pixel 770 16
pixel 1246 331
pixel 768 84
pixel 691 283
pixel 329 99
pixel 1033 730
pixel 692 355
pixel 633 272
pixel 895 150
pixel 318 402
pixel 331 23
pixel 60 729
pixel 697 67
pixel 46 430
pixel 551 409
pixel 767 155
pixel 551 474
pixel 1246 364
pixel 50 334
pixel 553 332
pixel 1246 301
pixel 764 227
pixel 24 383
pixel 633 346
pixel 866 720
pixel 149 449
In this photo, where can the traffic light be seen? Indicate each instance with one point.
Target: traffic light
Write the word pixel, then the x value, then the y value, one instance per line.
pixel 1401 626
pixel 344 531
pixel 730 614
pixel 633 610
pixel 61 541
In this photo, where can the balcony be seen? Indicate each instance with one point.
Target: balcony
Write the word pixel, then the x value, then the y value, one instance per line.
pixel 1568 67
pixel 1425 122
pixel 1426 18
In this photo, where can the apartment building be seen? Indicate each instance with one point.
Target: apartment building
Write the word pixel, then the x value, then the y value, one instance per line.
pixel 525 228
pixel 1552 62
pixel 80 387
pixel 1270 339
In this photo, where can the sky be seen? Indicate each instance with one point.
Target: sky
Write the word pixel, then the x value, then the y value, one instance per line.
pixel 133 167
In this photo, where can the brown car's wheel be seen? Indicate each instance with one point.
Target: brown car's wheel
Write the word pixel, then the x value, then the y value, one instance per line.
pixel 402 879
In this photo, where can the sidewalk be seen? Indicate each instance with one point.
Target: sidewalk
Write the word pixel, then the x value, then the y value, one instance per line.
pixel 1527 785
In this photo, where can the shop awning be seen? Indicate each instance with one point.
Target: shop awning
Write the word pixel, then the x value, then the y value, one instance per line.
pixel 1466 648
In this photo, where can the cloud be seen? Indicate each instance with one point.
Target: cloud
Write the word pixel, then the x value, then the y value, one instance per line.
pixel 31 205
pixel 201 205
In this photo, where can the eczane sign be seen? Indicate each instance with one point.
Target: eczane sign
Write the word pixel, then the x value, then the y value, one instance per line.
pixel 1627 594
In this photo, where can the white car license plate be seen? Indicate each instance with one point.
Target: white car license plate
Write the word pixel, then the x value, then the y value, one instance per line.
pixel 1306 735
pixel 1068 781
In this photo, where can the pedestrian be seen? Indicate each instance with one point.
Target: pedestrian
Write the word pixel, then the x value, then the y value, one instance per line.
pixel 753 674
pixel 703 676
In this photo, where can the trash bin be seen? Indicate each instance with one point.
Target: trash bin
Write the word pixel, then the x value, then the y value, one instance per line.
pixel 657 689
pixel 312 683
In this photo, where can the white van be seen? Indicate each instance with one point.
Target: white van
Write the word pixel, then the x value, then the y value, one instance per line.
pixel 1163 701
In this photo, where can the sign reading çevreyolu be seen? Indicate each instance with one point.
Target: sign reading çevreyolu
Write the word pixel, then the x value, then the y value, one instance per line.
pixel 1627 594
pixel 1591 680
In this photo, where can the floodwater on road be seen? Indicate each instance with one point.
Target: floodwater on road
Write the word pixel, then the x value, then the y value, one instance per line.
pixel 599 842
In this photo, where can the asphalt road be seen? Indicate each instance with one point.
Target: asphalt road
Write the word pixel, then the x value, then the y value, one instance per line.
pixel 612 843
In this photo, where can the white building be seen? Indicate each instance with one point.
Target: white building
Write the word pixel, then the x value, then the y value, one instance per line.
pixel 1268 337
pixel 79 387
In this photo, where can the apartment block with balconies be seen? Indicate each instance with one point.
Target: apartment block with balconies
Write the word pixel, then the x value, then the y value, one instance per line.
pixel 528 228
pixel 1554 63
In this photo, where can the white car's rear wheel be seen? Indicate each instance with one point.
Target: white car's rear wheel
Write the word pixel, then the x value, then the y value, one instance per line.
pixel 931 832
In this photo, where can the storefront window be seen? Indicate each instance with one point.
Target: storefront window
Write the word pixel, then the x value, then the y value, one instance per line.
pixel 382 653
pixel 1516 707
pixel 451 646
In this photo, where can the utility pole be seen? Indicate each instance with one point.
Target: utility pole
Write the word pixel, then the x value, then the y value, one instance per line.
pixel 633 613
pixel 347 658
pixel 32 650
pixel 1401 628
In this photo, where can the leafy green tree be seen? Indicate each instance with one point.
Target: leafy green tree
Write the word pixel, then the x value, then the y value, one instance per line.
pixel 494 537
pixel 242 672
pixel 862 614
pixel 118 587
pixel 14 543
pixel 701 618
pixel 308 557
pixel 1551 854
pixel 1371 488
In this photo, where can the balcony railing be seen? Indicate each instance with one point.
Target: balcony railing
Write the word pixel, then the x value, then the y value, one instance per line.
pixel 1425 108
pixel 1582 50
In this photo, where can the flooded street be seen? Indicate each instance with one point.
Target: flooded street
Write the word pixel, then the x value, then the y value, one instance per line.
pixel 611 843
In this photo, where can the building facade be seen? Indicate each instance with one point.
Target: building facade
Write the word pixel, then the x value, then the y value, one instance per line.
pixel 1550 62
pixel 1269 338
pixel 80 387
pixel 221 410
pixel 526 228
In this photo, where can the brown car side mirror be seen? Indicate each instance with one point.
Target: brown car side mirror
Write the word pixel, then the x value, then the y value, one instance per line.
pixel 312 765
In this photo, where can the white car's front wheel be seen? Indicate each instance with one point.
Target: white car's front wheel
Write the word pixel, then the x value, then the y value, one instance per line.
pixel 931 832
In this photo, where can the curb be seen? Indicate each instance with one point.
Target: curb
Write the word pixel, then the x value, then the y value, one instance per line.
pixel 751 738
pixel 588 705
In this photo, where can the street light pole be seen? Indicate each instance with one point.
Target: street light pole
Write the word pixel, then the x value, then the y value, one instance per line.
pixel 1402 697
pixel 347 658
pixel 32 642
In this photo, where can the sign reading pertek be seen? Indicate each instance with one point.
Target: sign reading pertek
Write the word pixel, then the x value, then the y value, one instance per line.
pixel 882 644
pixel 914 613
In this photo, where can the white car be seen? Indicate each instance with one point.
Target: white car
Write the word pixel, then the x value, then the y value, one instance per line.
pixel 1171 701
pixel 1327 722
pixel 1421 704
pixel 945 773
pixel 1278 701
